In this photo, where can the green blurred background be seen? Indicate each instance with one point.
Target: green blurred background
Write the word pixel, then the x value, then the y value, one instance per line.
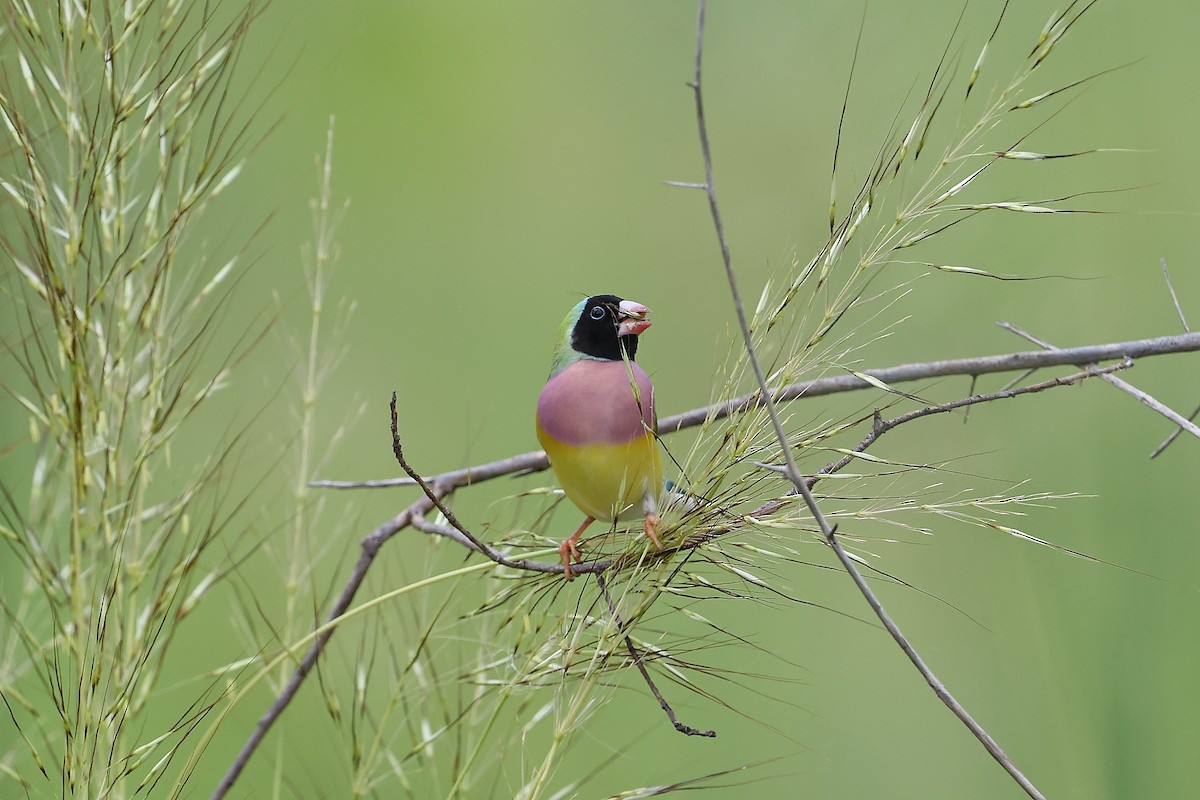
pixel 502 160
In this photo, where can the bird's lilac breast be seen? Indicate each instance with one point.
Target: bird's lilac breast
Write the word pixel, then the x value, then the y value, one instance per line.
pixel 592 402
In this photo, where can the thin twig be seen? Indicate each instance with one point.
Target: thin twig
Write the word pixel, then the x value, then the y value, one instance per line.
pixel 983 365
pixel 1142 397
pixel 1178 310
pixel 1174 434
pixel 467 539
pixel 881 426
pixel 637 661
pixel 793 471
pixel 1174 297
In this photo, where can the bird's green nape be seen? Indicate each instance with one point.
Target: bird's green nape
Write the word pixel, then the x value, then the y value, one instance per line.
pixel 564 354
pixel 602 327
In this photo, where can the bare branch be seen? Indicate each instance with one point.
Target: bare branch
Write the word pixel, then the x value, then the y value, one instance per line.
pixel 1142 397
pixel 983 365
pixel 1174 297
pixel 880 426
pixel 535 460
pixel 1174 435
pixel 458 532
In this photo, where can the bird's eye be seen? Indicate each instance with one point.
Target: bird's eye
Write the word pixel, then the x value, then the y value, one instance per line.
pixel 598 312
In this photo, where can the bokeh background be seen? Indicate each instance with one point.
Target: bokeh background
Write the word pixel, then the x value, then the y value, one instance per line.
pixel 503 160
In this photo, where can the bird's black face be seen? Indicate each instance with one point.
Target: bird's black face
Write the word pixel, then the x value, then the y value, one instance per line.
pixel 599 331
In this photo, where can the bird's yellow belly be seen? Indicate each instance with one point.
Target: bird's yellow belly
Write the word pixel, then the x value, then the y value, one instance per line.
pixel 606 481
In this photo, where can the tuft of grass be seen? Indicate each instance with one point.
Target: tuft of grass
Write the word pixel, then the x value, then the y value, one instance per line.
pixel 120 128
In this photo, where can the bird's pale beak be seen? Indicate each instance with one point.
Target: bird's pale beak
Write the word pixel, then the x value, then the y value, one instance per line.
pixel 631 318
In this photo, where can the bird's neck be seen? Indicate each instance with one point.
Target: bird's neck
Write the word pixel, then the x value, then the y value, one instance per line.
pixel 565 355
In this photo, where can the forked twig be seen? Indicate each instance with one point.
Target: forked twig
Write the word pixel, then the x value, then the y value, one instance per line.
pixel 881 426
pixel 1183 319
pixel 637 661
pixel 1142 397
pixel 1156 452
pixel 792 470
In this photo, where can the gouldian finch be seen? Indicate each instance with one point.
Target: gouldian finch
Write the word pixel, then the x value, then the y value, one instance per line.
pixel 596 420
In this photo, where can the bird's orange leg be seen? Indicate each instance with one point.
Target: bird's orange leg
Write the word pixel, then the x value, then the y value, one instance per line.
pixel 650 526
pixel 650 512
pixel 568 551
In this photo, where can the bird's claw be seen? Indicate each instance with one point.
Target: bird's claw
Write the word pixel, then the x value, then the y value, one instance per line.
pixel 649 527
pixel 568 552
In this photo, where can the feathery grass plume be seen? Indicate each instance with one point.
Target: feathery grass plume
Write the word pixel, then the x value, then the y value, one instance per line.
pixel 119 129
pixel 816 319
pixel 305 540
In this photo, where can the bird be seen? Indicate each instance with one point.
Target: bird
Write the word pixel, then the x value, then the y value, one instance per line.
pixel 596 419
